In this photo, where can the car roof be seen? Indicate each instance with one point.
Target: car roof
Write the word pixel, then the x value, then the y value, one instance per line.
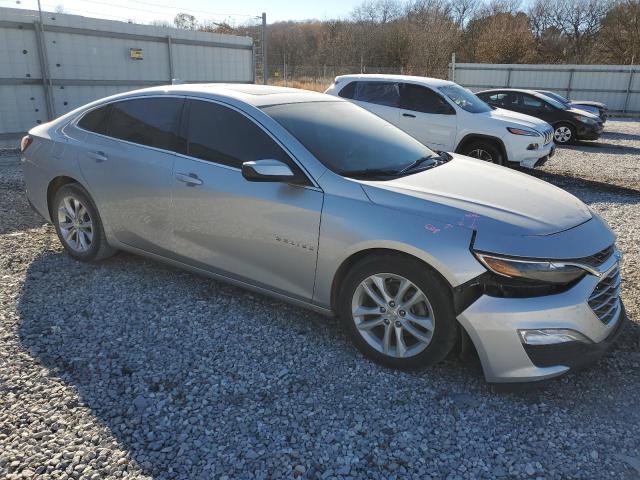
pixel 432 82
pixel 535 93
pixel 256 95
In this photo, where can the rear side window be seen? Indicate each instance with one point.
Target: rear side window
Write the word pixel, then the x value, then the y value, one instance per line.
pixel 380 93
pixel 153 122
pixel 222 135
pixel 422 99
pixel 348 91
pixel 96 120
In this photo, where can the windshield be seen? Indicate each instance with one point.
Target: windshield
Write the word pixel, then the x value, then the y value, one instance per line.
pixel 465 99
pixel 556 96
pixel 350 140
pixel 553 102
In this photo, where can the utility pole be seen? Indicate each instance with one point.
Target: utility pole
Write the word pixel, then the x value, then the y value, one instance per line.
pixel 265 67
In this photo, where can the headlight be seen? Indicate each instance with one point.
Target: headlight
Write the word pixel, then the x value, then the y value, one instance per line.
pixel 523 131
pixel 535 270
pixel 587 120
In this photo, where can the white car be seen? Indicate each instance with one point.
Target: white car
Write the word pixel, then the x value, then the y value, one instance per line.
pixel 447 117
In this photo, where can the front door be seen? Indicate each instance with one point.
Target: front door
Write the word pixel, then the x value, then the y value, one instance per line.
pixel 427 117
pixel 263 233
pixel 128 165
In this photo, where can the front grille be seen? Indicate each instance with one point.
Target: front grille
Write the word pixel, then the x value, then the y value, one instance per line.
pixel 605 299
pixel 596 259
pixel 548 136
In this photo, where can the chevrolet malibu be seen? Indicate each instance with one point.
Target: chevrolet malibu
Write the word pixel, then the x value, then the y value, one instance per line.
pixel 314 200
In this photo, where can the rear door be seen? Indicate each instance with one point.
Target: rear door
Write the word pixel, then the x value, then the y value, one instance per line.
pixel 427 116
pixel 263 233
pixel 381 98
pixel 128 166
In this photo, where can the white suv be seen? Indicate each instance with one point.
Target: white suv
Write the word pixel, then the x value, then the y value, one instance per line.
pixel 447 117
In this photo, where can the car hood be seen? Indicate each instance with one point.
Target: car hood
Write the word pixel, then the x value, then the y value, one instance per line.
pixel 470 193
pixel 588 103
pixel 519 119
pixel 576 110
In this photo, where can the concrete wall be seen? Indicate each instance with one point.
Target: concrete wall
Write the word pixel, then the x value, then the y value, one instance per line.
pixel 45 72
pixel 616 85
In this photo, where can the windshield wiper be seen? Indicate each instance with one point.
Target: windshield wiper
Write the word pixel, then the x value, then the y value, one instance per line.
pixel 416 164
pixel 370 172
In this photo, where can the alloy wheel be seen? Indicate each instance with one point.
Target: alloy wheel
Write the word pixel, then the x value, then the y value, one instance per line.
pixel 75 223
pixel 393 315
pixel 481 154
pixel 562 134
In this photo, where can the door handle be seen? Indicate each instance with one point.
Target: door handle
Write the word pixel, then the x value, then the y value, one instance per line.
pixel 191 179
pixel 98 156
pixel 409 115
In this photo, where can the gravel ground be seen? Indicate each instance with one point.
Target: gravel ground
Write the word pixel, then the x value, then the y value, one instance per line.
pixel 130 369
pixel 613 159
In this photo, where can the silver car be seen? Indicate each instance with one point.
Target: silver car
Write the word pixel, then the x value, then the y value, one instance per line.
pixel 318 202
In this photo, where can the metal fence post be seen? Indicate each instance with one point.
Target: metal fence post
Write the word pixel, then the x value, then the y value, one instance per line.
pixel 170 55
pixel 569 84
pixel 626 98
pixel 44 68
pixel 265 66
pixel 509 70
pixel 452 75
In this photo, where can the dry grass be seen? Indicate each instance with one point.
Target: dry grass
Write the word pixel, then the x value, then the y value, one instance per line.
pixel 317 85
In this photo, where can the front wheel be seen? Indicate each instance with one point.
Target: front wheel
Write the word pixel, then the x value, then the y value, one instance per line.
pixel 398 312
pixel 486 151
pixel 564 134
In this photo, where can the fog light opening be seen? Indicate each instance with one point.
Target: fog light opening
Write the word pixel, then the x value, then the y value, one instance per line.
pixel 551 336
pixel 533 146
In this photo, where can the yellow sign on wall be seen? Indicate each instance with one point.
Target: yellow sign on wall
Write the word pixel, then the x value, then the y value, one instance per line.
pixel 135 53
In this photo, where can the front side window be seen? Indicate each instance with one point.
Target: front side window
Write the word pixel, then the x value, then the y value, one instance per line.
pixel 531 102
pixel 380 93
pixel 422 99
pixel 222 135
pixel 465 99
pixel 348 139
pixel 153 122
pixel 96 120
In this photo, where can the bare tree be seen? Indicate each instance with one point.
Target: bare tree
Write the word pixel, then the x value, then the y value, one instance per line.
pixel 185 21
pixel 577 20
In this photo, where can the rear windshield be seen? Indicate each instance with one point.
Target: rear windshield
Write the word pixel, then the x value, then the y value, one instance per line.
pixel 347 138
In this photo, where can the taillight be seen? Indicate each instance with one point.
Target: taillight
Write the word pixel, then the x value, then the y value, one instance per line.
pixel 25 142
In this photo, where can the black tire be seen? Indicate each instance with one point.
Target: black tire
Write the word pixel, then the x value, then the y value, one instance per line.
pixel 484 150
pixel 561 139
pixel 445 332
pixel 98 248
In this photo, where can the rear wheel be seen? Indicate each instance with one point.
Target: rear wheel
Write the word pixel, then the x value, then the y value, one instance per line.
pixel 564 134
pixel 484 150
pixel 78 224
pixel 398 312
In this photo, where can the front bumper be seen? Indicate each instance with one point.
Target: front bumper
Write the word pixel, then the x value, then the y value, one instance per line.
pixel 589 132
pixel 492 323
pixel 530 158
pixel 576 355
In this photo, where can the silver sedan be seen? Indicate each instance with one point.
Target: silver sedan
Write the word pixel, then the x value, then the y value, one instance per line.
pixel 320 203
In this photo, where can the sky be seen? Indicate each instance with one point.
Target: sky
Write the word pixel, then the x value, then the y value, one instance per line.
pixel 240 11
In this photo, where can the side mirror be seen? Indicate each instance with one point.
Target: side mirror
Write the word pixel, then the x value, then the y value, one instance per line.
pixel 269 171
